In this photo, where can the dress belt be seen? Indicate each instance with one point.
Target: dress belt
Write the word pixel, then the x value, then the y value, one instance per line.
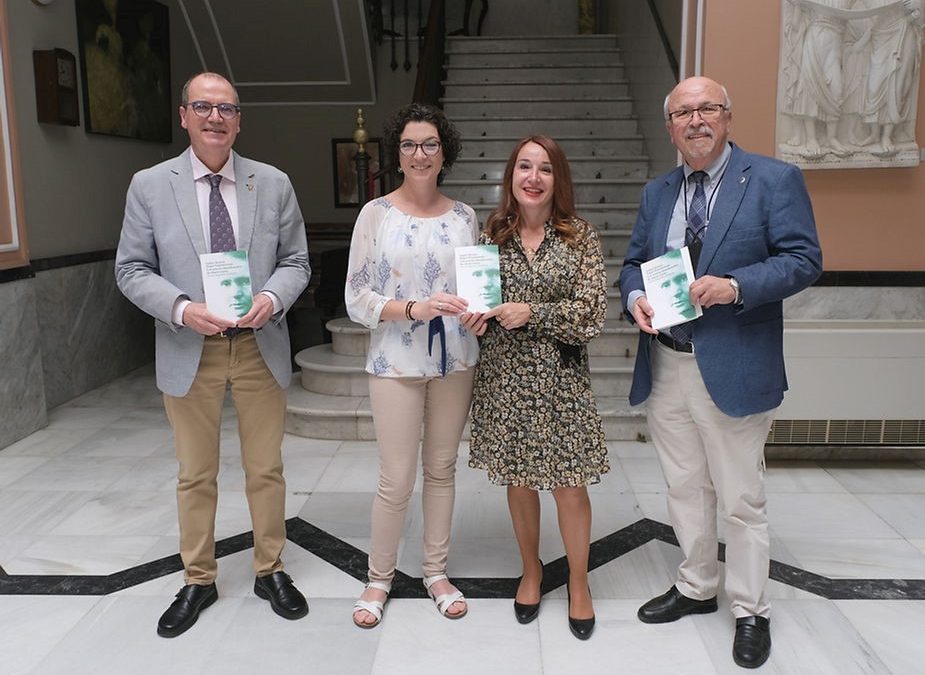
pixel 668 341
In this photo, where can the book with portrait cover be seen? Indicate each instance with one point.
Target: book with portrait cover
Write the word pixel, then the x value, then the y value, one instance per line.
pixel 478 276
pixel 667 280
pixel 226 280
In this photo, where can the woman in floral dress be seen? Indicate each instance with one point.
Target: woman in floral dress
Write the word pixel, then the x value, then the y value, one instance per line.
pixel 534 421
pixel 401 284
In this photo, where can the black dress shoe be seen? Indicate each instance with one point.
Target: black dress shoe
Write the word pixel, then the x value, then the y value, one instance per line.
pixel 752 644
pixel 184 611
pixel 526 613
pixel 672 606
pixel 284 597
pixel 581 628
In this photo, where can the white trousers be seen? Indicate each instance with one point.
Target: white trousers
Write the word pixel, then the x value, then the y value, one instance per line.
pixel 711 460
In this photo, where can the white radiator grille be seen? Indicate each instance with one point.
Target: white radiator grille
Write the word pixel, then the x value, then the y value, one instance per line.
pixel 847 432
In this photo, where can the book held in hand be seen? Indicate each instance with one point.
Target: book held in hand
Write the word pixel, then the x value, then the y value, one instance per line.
pixel 667 280
pixel 226 279
pixel 478 276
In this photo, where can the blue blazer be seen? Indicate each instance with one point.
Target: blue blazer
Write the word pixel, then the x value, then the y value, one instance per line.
pixel 762 232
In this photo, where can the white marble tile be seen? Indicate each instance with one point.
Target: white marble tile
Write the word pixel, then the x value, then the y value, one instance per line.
pixel 298 446
pixel 14 467
pixel 902 512
pixel 48 442
pixel 86 554
pixel 639 575
pixel 343 514
pixel 122 442
pixel 123 514
pixel 803 477
pixel 654 506
pixel 631 449
pixel 75 417
pixel 838 516
pixel 76 473
pixel 487 641
pixel 887 478
pixel 157 473
pixel 118 636
pixel 859 558
pixel 351 473
pixel 644 475
pixel 31 628
pixel 894 630
pixel 36 512
pixel 918 543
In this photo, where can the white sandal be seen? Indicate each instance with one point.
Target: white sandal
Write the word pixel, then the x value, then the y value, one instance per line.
pixel 445 601
pixel 374 607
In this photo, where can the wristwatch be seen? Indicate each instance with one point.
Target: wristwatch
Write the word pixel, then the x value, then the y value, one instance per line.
pixel 735 287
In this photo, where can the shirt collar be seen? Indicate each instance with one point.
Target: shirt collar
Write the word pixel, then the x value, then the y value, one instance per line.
pixel 716 169
pixel 200 170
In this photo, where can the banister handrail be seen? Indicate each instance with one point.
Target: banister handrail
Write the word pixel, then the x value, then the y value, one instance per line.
pixel 427 86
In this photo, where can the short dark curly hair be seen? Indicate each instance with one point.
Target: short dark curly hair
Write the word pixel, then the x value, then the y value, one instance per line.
pixel 421 112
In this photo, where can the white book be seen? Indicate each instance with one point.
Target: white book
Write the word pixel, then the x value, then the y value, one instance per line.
pixel 226 279
pixel 478 276
pixel 667 280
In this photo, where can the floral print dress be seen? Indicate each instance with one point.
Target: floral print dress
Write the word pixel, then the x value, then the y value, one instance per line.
pixel 534 419
pixel 397 256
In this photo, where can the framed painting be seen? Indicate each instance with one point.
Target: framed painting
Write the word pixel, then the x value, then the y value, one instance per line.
pixel 345 171
pixel 125 68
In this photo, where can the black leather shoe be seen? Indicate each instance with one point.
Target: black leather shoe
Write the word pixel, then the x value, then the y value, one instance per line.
pixel 284 597
pixel 184 611
pixel 672 606
pixel 526 613
pixel 581 628
pixel 752 644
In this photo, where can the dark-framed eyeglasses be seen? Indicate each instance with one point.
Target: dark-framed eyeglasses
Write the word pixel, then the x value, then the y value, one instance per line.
pixel 429 147
pixel 708 111
pixel 204 109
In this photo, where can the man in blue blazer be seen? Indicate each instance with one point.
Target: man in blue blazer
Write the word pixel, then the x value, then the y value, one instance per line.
pixel 210 199
pixel 712 385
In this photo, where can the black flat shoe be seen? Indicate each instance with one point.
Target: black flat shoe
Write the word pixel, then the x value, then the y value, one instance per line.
pixel 672 605
pixel 581 628
pixel 752 644
pixel 284 597
pixel 526 613
pixel 184 611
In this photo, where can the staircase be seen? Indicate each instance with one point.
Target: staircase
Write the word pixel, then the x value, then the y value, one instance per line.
pixel 497 91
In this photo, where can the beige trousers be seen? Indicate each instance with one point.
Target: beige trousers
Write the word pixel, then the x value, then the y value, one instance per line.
pixel 196 420
pixel 711 459
pixel 400 406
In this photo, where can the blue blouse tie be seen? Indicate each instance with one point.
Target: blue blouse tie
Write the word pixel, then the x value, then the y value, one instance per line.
pixel 436 327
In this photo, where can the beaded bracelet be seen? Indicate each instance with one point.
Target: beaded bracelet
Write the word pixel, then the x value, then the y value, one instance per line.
pixel 408 307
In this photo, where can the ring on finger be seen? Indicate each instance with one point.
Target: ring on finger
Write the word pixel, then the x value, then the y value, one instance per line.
pixel 440 306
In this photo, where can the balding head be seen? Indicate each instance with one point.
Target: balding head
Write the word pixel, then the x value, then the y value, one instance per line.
pixel 702 136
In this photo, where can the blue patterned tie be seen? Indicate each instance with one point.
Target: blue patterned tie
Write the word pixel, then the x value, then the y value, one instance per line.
pixel 693 239
pixel 220 231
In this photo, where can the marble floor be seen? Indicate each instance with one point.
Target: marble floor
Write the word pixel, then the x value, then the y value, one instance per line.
pixel 88 542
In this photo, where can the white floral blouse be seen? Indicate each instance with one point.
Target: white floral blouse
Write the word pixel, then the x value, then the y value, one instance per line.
pixel 396 256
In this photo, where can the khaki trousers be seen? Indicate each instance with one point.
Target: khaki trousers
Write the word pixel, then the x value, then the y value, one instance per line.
pixel 400 406
pixel 709 457
pixel 196 420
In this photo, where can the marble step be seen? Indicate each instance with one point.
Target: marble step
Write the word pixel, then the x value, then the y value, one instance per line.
pixel 513 72
pixel 512 58
pixel 525 125
pixel 614 242
pixel 604 216
pixel 529 43
pixel 492 168
pixel 504 91
pixel 326 372
pixel 614 308
pixel 348 338
pixel 312 415
pixel 595 112
pixel 476 147
pixel 603 191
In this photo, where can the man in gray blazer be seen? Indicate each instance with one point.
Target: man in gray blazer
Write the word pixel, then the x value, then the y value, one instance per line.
pixel 210 199
pixel 713 383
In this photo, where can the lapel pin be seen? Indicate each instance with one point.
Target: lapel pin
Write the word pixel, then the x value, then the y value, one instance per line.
pixel 250 186
pixel 741 179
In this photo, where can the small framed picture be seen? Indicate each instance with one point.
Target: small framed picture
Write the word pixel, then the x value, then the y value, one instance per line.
pixel 343 151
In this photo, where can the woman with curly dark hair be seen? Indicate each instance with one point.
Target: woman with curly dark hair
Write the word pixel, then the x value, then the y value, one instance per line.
pixel 401 284
pixel 534 420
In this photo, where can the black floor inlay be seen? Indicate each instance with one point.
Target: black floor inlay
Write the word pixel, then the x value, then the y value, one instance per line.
pixel 352 561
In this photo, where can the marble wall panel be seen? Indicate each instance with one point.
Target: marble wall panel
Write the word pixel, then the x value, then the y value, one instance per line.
pixel 881 303
pixel 89 333
pixel 22 392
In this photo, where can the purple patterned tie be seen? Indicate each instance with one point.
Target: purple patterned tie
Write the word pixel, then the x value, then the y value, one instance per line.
pixel 220 231
pixel 693 239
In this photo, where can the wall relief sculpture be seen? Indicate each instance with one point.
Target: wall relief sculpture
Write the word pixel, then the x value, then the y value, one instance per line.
pixel 848 82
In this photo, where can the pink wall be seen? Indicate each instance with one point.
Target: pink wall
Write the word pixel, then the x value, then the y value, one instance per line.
pixel 868 219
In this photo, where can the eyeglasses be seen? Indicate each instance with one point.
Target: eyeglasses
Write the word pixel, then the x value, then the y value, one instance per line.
pixel 708 111
pixel 429 147
pixel 204 109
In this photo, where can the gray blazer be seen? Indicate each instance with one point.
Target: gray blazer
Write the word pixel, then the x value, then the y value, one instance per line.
pixel 157 261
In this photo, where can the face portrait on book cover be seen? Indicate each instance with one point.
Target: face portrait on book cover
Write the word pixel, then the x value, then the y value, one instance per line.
pixel 236 295
pixel 682 297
